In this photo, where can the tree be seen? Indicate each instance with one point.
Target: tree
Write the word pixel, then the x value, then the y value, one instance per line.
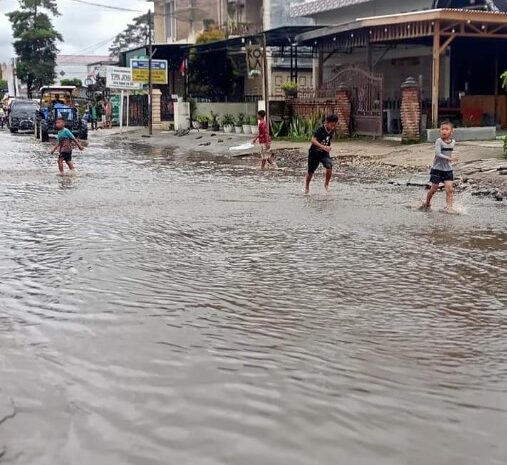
pixel 35 42
pixel 4 87
pixel 134 35
pixel 71 82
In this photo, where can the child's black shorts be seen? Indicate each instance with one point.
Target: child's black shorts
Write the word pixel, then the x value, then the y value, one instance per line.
pixel 316 158
pixel 438 176
pixel 67 156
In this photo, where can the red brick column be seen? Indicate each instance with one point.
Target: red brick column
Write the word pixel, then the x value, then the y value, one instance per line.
pixel 410 111
pixel 342 110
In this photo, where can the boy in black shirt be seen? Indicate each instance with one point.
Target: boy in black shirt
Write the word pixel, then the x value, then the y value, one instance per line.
pixel 320 150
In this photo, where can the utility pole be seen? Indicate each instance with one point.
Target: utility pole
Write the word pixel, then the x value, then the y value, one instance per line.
pixel 150 80
pixel 14 77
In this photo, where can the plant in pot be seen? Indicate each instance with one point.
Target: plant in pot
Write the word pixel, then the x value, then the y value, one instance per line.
pixel 228 123
pixel 203 121
pixel 245 123
pixel 254 128
pixel 290 88
pixel 238 126
pixel 215 125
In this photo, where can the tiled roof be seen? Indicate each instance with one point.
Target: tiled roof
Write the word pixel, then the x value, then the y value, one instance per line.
pixel 316 6
pixel 501 5
pixel 310 7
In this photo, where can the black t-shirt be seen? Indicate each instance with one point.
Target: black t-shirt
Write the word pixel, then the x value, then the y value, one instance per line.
pixel 324 138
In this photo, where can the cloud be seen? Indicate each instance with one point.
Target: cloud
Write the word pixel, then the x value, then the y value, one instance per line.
pixel 85 28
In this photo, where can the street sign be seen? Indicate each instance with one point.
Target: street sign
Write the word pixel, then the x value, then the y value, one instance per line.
pixel 140 71
pixel 120 78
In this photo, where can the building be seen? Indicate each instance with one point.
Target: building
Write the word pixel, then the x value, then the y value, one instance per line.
pixel 75 66
pixel 455 49
pixel 181 21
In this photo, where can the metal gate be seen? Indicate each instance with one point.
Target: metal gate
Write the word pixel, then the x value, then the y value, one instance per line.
pixel 138 110
pixel 365 90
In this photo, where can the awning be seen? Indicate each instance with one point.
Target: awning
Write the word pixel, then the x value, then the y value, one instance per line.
pixel 279 37
pixel 407 26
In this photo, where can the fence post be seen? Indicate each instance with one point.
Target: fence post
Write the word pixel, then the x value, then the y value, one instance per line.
pixel 410 111
pixel 343 110
pixel 156 109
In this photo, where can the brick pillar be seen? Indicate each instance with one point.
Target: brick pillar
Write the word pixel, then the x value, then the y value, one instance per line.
pixel 156 112
pixel 342 110
pixel 410 111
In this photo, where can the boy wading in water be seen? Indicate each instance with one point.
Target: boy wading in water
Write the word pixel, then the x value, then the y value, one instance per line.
pixel 264 140
pixel 320 152
pixel 442 172
pixel 65 139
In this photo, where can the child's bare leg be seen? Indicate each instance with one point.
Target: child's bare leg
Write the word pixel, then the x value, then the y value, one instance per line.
pixel 309 177
pixel 71 166
pixel 60 166
pixel 328 175
pixel 449 190
pixel 431 193
pixel 263 163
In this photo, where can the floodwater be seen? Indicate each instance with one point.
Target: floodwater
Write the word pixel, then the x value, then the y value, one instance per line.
pixel 168 308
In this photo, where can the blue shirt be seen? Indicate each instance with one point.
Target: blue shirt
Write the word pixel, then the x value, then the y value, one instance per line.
pixel 64 134
pixel 65 138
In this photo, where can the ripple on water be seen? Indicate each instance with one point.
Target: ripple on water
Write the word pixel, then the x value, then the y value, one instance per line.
pixel 169 305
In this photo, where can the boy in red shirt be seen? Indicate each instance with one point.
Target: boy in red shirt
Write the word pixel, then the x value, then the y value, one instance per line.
pixel 264 140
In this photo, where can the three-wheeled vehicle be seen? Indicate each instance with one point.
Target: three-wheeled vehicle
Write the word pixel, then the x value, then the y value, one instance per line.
pixel 58 102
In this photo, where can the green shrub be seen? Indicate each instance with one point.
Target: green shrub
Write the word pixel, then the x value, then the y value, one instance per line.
pixel 242 119
pixel 228 120
pixel 277 128
pixel 289 86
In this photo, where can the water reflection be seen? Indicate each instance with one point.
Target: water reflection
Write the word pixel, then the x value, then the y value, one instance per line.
pixel 164 304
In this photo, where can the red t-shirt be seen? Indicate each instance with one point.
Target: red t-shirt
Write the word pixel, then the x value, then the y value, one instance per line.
pixel 264 133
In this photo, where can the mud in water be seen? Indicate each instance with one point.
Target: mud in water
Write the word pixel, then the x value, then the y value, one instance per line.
pixel 169 307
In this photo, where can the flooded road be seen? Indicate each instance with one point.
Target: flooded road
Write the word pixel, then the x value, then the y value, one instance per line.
pixel 168 308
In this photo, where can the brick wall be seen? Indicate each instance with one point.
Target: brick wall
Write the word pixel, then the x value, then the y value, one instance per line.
pixel 410 111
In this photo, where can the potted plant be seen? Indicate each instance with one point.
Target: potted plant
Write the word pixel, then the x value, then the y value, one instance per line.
pixel 228 123
pixel 245 123
pixel 290 88
pixel 254 128
pixel 215 125
pixel 238 124
pixel 203 121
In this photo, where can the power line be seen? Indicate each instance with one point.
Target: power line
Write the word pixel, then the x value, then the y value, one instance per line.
pixel 109 7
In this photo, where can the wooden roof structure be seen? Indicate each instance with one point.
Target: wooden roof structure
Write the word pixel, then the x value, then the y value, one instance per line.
pixel 378 29
pixel 439 27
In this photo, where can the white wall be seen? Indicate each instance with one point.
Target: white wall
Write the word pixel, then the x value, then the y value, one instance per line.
pixel 222 108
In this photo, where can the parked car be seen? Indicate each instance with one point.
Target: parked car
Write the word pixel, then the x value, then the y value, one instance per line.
pixel 22 115
pixel 58 102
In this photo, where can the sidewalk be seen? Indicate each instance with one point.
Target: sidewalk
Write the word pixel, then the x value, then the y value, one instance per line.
pixel 481 164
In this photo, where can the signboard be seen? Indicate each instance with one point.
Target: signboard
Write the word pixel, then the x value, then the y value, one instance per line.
pixel 254 60
pixel 115 107
pixel 140 71
pixel 120 78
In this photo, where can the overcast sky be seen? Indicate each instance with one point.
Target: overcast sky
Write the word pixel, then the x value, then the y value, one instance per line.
pixel 81 25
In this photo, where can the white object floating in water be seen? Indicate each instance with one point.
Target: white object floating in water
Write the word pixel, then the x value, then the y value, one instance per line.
pixel 243 148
